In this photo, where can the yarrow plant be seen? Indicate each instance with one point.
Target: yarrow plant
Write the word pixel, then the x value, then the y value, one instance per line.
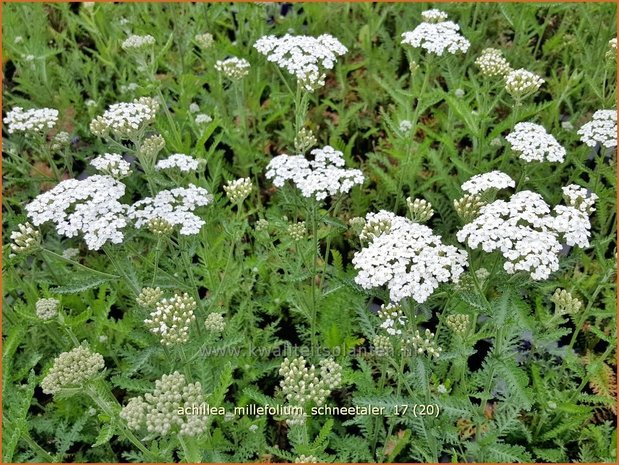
pixel 90 208
pixel 33 121
pixel 125 119
pixel 436 35
pixel 175 207
pixel 532 143
pixel 319 178
pixel 178 161
pixel 602 129
pixel 334 233
pixel 234 68
pixel 410 259
pixel 112 164
pixel 304 57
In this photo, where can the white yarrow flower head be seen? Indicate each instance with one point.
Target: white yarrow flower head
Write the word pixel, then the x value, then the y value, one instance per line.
pixel 572 225
pixel 178 161
pixel 302 384
pixel 174 206
pixel 238 190
pixel 486 181
pixel 611 53
pixel 89 207
pixel 25 239
pixel 491 63
pixel 521 83
pixel 171 319
pixel 215 322
pixel 233 68
pixel 420 209
pixel 579 198
pixel 138 43
pixel 31 122
pixel 205 40
pixel 112 164
pixel 409 259
pixel 436 35
pixel 405 126
pixel 434 16
pixel 305 57
pixel 602 129
pixel 392 319
pixel 72 369
pixel 375 224
pixel 525 232
pixel 194 108
pixel 321 177
pixel 46 309
pixel 532 143
pixel 61 140
pixel 158 411
pixel 203 118
pixel 125 119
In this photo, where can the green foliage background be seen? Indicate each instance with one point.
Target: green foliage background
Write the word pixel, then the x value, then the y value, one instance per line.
pixel 521 386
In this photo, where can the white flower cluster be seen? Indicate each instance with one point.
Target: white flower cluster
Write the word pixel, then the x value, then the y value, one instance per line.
pixel 532 143
pixel 572 224
pixel 458 322
pixel 436 35
pixel 486 181
pixel 171 319
pixel 579 198
pixel 149 297
pixel 302 384
pixel 233 68
pixel 46 309
pixel 410 259
pixel 565 302
pixel 72 369
pixel 297 231
pixel 521 83
pixel 434 16
pixel 526 234
pixel 602 129
pixel 393 319
pixel 135 42
pixel 420 210
pixel 304 140
pixel 491 63
pixel 175 206
pixel 305 57
pixel 26 239
pixel 307 459
pixel 382 346
pixel 405 126
pixel 204 40
pixel 89 207
pixel 159 410
pixel 423 344
pixel 321 177
pixel 467 207
pixel 178 161
pixel 215 322
pixel 203 118
pixel 112 164
pixel 375 224
pixel 126 118
pixel 60 140
pixel 238 189
pixel 35 120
